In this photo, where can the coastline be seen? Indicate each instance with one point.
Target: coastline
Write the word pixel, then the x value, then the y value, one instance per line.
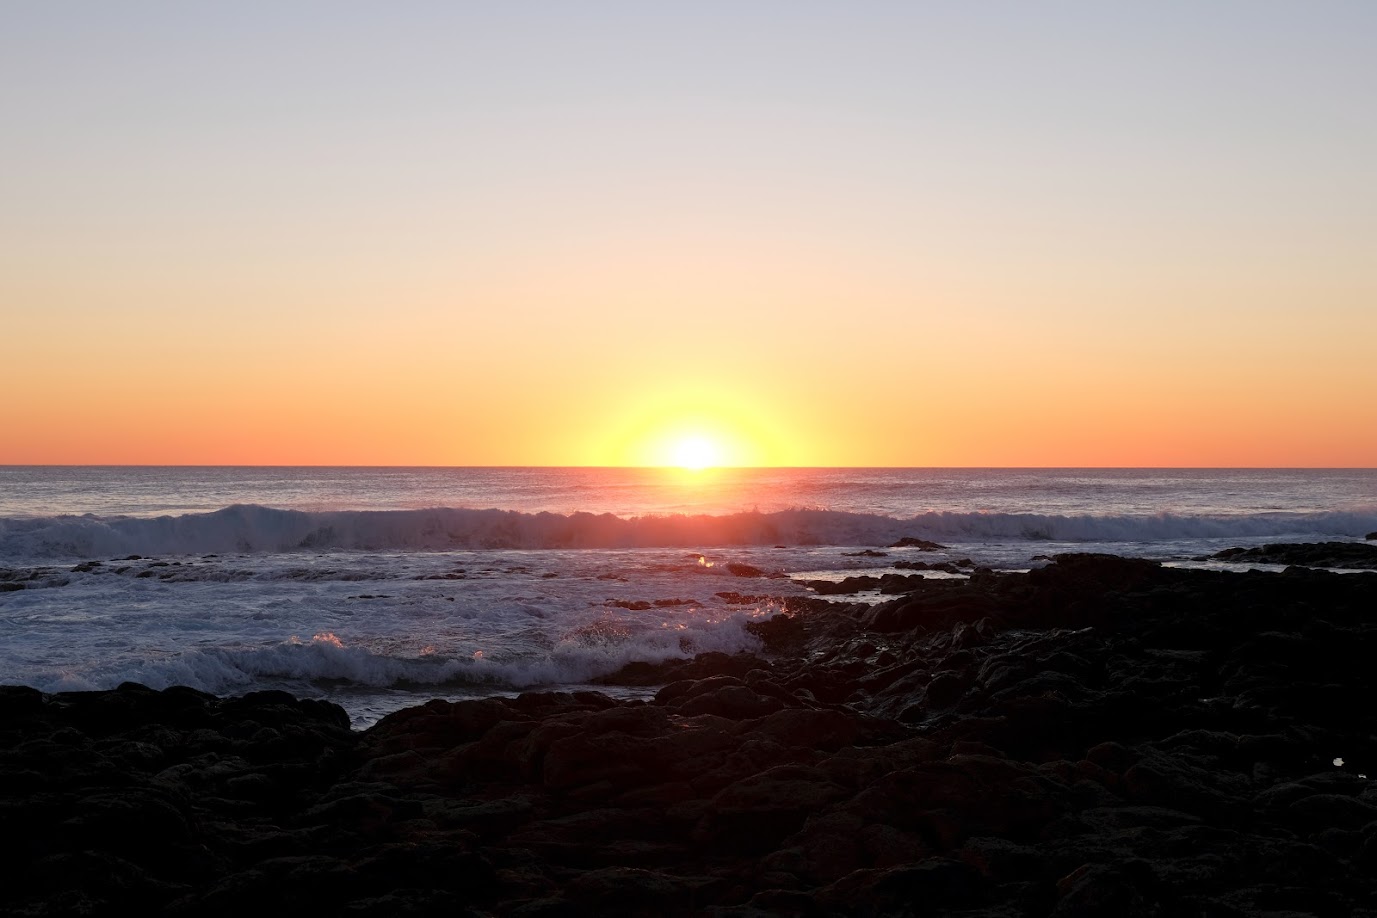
pixel 1099 736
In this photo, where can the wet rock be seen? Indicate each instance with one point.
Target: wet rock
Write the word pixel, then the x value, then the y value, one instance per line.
pixel 900 583
pixel 779 633
pixel 940 605
pixel 634 605
pixel 843 586
pixel 1341 555
pixel 920 544
pixel 702 666
pixel 733 598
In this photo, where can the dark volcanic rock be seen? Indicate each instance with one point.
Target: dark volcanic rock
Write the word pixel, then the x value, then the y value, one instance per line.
pixel 1101 736
pixel 950 567
pixel 1342 555
pixel 703 666
pixel 920 544
pixel 885 583
pixel 633 605
pixel 843 586
pixel 779 633
pixel 731 597
pixel 127 800
pixel 902 583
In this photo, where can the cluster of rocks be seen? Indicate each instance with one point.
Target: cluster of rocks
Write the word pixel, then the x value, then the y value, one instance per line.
pixel 1099 737
pixel 950 567
pixel 858 583
pixel 1338 555
pixel 892 584
pixel 14 579
pixel 641 605
pixel 135 566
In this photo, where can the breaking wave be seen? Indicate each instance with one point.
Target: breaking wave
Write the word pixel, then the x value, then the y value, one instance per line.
pixel 250 528
pixel 325 659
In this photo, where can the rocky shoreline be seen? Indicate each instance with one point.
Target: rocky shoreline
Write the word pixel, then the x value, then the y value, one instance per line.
pixel 1101 736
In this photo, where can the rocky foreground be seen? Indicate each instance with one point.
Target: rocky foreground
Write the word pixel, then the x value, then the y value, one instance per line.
pixel 1098 737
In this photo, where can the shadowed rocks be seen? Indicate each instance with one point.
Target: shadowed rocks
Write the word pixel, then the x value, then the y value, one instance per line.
pixel 1098 737
pixel 885 583
pixel 1339 555
pixel 920 544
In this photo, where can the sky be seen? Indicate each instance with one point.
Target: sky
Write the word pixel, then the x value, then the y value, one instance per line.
pixel 789 233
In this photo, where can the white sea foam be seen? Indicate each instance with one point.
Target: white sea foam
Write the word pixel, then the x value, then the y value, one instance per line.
pixel 246 528
pixel 326 659
pixel 346 590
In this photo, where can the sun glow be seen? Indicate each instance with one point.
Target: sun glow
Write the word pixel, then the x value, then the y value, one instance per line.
pixel 692 426
pixel 695 452
pixel 692 446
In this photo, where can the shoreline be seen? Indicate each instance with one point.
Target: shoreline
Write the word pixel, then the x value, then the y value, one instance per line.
pixel 1099 736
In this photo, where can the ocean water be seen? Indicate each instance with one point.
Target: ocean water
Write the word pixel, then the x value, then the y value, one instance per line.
pixel 381 588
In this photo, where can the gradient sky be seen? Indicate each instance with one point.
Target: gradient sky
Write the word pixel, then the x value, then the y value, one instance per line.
pixel 997 233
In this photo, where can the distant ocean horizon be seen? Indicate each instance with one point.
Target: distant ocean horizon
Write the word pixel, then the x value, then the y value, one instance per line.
pixel 380 587
pixel 143 489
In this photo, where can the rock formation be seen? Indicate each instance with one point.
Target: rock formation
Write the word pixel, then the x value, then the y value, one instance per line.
pixel 1097 737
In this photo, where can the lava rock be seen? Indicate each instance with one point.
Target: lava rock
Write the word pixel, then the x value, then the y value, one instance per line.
pixel 920 544
pixel 1341 555
pixel 1101 736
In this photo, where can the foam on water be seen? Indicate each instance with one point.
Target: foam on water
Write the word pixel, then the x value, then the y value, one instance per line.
pixel 326 659
pixel 381 603
pixel 357 625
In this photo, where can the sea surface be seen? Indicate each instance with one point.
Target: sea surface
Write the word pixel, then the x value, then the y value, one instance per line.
pixel 380 588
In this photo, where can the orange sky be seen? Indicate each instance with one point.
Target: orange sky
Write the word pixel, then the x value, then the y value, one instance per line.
pixel 812 237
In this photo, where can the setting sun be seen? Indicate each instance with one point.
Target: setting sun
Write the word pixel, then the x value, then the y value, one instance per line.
pixel 695 452
pixel 695 425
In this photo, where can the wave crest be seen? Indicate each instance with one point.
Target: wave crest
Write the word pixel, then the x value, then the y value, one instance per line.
pixel 326 659
pixel 250 528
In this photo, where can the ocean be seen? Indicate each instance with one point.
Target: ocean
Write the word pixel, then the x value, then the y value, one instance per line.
pixel 379 588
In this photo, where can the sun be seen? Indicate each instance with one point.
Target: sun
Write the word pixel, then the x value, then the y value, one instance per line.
pixel 695 452
pixel 692 429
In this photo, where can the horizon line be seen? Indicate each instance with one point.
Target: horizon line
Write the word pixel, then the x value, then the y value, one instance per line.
pixel 678 468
